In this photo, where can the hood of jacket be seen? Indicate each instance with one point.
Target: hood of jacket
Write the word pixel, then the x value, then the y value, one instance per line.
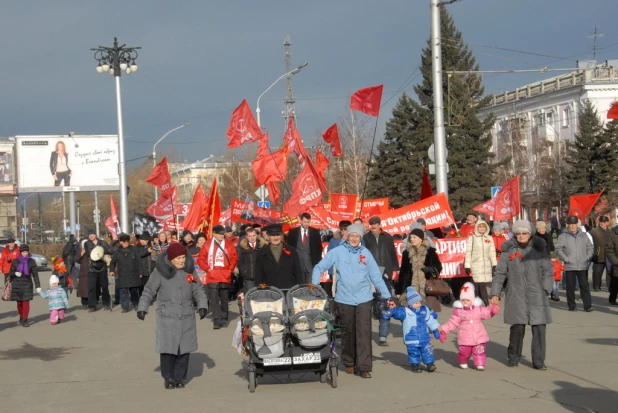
pixel 537 243
pixel 476 228
pixel 167 269
pixel 244 244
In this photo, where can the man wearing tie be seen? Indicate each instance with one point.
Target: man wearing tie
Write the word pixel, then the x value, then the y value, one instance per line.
pixel 308 243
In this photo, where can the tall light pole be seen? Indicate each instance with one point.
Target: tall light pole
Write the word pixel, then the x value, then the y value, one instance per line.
pixel 291 72
pixel 23 207
pixel 438 100
pixel 154 151
pixel 115 60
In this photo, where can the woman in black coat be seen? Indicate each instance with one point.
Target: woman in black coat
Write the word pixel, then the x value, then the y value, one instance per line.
pixel 419 262
pixel 23 272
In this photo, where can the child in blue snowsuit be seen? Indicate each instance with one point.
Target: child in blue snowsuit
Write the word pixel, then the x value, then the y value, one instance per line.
pixel 417 320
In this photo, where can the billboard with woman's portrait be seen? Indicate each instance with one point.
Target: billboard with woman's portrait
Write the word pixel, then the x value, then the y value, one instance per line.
pixel 67 163
pixel 7 169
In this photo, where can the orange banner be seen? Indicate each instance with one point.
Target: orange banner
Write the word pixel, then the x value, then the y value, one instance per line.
pixel 435 210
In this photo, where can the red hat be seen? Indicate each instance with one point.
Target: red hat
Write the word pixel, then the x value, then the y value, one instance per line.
pixel 176 249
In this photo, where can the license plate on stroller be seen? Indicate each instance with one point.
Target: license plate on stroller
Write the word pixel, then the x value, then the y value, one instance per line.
pixel 308 358
pixel 279 361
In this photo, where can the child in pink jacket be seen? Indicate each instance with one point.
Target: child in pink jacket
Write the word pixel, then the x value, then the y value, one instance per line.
pixel 472 337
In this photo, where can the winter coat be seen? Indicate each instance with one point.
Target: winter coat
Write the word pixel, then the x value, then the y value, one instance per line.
pixel 7 258
pixel 22 286
pixel 82 280
pixel 599 237
pixel 218 274
pixel 176 330
pixel 467 230
pixel 574 250
pixel 549 241
pixel 69 252
pixel 469 321
pixel 89 246
pixel 498 241
pixel 356 271
pixel 611 250
pixel 126 267
pixel 416 323
pixel 530 276
pixel 405 274
pixel 314 240
pixel 247 257
pixel 383 251
pixel 283 274
pixel 56 297
pixel 480 254
pixel 146 265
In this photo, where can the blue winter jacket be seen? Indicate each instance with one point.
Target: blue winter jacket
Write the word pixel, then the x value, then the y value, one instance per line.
pixel 416 323
pixel 356 271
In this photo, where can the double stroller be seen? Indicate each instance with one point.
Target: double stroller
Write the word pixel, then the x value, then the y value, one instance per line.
pixel 289 333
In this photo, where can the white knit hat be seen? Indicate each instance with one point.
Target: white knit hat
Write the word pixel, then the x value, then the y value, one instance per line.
pixel 54 280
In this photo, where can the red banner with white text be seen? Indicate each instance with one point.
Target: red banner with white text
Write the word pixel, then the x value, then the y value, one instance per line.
pixel 435 210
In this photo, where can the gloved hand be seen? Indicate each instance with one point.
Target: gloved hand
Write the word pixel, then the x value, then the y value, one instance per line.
pixel 436 334
pixel 38 290
pixel 203 312
pixel 442 337
pixel 434 315
pixel 17 274
pixel 426 269
pixel 141 315
pixel 493 270
pixel 468 271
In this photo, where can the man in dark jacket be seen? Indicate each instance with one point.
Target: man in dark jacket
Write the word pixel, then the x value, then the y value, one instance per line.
pixel 68 255
pixel 97 272
pixel 611 252
pixel 247 253
pixel 308 243
pixel 277 264
pixel 125 266
pixel 382 247
pixel 600 235
pixel 144 251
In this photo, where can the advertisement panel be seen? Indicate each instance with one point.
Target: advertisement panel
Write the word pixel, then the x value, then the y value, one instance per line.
pixel 7 169
pixel 54 163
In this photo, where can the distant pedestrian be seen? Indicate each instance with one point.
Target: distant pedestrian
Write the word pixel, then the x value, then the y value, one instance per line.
pixel 57 300
pixel 541 231
pixel 9 253
pixel 555 225
pixel 600 236
pixel 480 261
pixel 247 254
pixel 23 272
pixel 125 266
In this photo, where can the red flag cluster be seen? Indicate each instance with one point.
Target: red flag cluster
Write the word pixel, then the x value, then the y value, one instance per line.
pixel 505 205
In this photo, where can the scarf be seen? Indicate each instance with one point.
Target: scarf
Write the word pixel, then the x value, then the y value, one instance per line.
pixel 215 255
pixel 417 257
pixel 353 250
pixel 22 267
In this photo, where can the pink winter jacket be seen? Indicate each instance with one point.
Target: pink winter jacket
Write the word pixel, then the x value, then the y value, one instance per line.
pixel 469 321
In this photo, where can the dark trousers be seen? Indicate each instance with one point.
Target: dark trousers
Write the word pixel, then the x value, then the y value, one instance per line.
pixel 613 289
pixel 96 281
pixel 356 335
pixel 247 285
pixel 218 295
pixel 481 289
pixel 129 296
pixel 174 367
pixel 516 341
pixel 584 289
pixel 116 293
pixel 597 274
pixel 328 287
pixel 62 176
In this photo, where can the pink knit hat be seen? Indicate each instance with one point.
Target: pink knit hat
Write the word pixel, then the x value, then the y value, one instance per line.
pixel 467 292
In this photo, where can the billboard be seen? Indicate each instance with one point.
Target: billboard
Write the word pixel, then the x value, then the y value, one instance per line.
pixel 54 163
pixel 7 169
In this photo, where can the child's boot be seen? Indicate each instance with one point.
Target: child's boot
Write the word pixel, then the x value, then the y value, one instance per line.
pixel 480 368
pixel 431 367
pixel 463 366
pixel 416 368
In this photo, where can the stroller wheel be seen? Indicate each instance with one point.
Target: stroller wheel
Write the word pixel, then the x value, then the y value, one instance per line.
pixel 334 372
pixel 252 381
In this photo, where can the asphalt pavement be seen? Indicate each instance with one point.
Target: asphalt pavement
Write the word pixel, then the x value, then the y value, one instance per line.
pixel 105 362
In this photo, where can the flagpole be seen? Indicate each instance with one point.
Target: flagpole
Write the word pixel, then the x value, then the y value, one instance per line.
pixel 373 141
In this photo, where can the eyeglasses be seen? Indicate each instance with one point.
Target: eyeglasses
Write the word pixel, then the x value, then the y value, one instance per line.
pixel 519 234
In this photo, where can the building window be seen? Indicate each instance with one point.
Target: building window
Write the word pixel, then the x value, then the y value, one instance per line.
pixel 566 117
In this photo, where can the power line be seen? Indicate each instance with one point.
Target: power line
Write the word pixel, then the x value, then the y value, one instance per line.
pixel 513 50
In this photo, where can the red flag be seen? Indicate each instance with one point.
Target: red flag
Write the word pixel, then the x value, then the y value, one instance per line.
pixel 271 167
pixel 243 127
pixel 164 208
pixel 426 190
pixel 581 205
pixel 212 211
pixel 293 143
pixel 263 147
pixel 195 215
pixel 160 177
pixel 505 205
pixel 331 136
pixel 307 191
pixel 367 100
pixel 111 223
pixel 273 192
pixel 344 204
pixel 613 112
pixel 321 163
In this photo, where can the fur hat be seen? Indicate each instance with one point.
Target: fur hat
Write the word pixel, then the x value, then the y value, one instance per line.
pixel 541 224
pixel 175 250
pixel 467 292
pixel 523 225
pixel 356 228
pixel 53 280
pixel 412 296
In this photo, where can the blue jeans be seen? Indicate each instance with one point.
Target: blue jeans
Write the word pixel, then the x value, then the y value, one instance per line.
pixel 424 351
pixel 554 290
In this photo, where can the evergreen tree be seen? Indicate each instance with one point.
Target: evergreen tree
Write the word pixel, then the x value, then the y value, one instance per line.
pixel 468 139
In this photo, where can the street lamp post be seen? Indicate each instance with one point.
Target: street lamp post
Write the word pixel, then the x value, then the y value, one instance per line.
pixel 291 72
pixel 23 207
pixel 78 205
pixel 154 151
pixel 115 60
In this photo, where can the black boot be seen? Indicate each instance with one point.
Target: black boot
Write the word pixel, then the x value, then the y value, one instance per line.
pixel 169 384
pixel 25 323
pixel 416 368
pixel 431 367
pixel 180 384
pixel 20 322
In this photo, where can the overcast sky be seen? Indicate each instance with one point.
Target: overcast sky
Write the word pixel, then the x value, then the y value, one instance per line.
pixel 201 58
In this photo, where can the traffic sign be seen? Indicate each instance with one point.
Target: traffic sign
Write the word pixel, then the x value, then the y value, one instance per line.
pixel 67 229
pixel 431 152
pixel 22 228
pixel 262 192
pixel 495 190
pixel 77 227
pixel 264 204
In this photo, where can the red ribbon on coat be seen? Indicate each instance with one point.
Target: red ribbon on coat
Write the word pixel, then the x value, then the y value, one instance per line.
pixel 516 255
pixel 191 279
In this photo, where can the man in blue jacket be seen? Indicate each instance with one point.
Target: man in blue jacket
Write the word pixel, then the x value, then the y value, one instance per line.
pixel 356 271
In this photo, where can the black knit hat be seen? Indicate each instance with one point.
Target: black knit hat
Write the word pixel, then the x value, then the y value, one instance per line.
pixel 418 232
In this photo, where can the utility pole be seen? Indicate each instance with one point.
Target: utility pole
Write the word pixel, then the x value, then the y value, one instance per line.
pixel 595 36
pixel 438 100
pixel 290 107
